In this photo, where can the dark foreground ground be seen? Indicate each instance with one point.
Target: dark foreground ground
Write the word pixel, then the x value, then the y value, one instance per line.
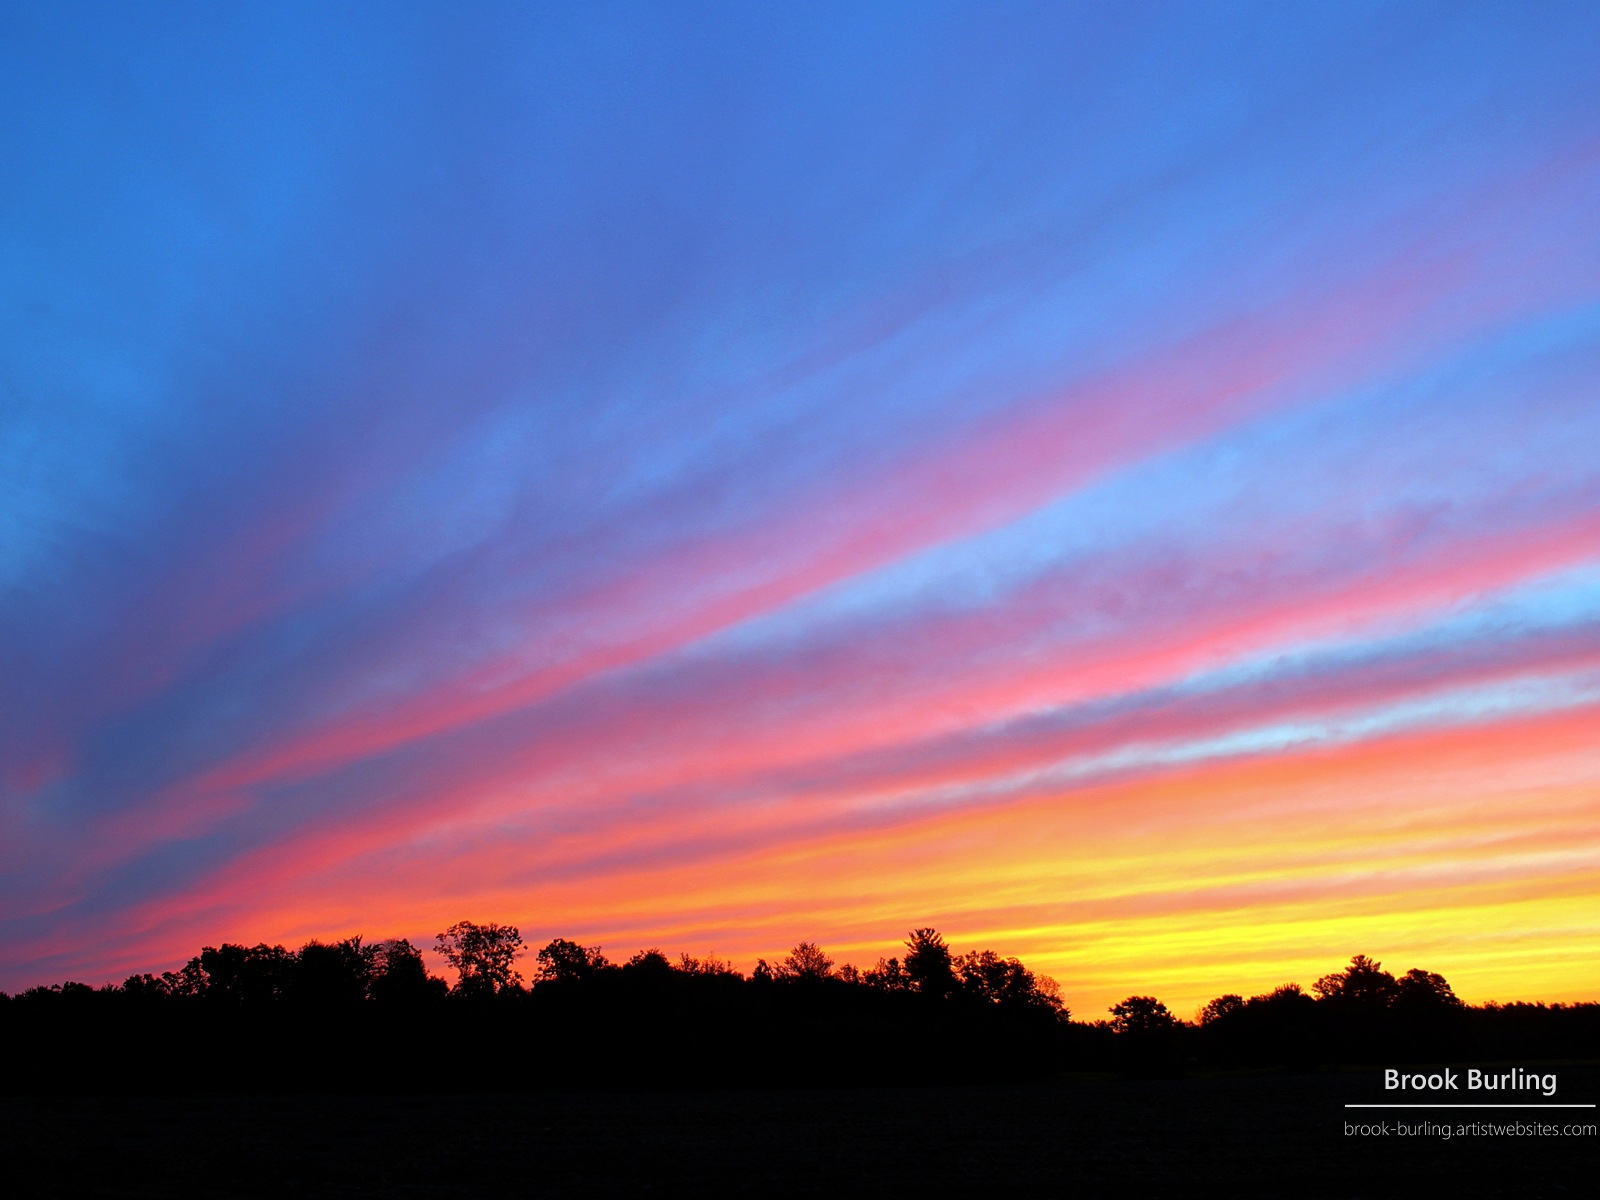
pixel 1262 1135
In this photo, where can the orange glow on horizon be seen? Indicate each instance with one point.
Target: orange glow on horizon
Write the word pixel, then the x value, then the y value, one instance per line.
pixel 1469 852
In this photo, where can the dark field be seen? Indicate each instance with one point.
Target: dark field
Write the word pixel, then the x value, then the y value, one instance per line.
pixel 1263 1135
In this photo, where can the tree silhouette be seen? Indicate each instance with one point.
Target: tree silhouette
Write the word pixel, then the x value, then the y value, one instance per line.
pixel 1364 983
pixel 985 976
pixel 1050 994
pixel 710 965
pixel 563 961
pixel 1419 989
pixel 805 962
pixel 1141 1016
pixel 649 964
pixel 190 980
pixel 331 975
pixel 888 976
pixel 252 975
pixel 1222 1008
pixel 1285 995
pixel 482 956
pixel 146 987
pixel 928 963
pixel 399 976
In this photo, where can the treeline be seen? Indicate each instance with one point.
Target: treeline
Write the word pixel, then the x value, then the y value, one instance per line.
pixel 1359 1015
pixel 368 1016
pixel 353 1015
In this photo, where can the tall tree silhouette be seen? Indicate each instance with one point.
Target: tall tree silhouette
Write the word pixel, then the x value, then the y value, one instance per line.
pixel 929 963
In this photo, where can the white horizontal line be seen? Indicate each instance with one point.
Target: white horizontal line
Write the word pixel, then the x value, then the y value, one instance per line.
pixel 1469 1106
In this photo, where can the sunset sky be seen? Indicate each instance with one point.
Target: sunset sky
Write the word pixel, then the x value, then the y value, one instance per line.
pixel 1118 483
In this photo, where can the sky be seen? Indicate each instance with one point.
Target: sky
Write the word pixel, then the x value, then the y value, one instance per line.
pixel 1119 484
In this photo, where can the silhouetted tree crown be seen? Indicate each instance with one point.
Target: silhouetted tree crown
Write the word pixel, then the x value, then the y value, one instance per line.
pixel 1364 982
pixel 482 956
pixel 649 964
pixel 332 975
pixel 928 963
pixel 805 962
pixel 1141 1016
pixel 563 961
pixel 889 975
pixel 710 966
pixel 1221 1008
pixel 1424 990
pixel 985 976
pixel 1284 996
pixel 399 975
